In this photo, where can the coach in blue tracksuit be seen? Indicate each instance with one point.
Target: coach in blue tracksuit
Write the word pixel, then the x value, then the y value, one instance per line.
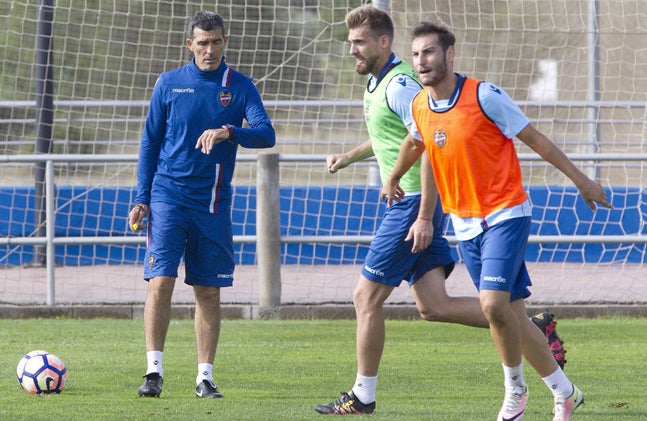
pixel 186 164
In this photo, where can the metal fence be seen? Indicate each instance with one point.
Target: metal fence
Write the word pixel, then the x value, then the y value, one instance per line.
pixel 268 238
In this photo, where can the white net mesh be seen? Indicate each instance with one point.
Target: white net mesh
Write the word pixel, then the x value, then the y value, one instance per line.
pixel 580 74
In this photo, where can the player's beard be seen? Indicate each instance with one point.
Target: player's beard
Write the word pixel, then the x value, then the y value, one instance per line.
pixel 438 73
pixel 366 66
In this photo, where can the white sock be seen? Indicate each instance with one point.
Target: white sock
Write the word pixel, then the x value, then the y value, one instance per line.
pixel 364 388
pixel 205 372
pixel 513 378
pixel 154 359
pixel 559 384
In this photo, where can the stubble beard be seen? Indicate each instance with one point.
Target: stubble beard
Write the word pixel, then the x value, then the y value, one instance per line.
pixel 366 66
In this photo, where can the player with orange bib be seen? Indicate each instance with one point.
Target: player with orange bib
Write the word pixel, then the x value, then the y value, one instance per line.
pixel 466 127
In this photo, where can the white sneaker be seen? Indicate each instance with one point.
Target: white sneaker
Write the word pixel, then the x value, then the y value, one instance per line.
pixel 513 406
pixel 564 409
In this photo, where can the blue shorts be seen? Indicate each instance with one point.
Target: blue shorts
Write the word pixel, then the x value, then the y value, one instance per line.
pixel 389 260
pixel 204 239
pixel 495 258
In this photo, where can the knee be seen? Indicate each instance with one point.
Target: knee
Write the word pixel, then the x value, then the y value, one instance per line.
pixel 161 288
pixel 495 313
pixel 431 314
pixel 367 304
pixel 361 300
pixel 207 296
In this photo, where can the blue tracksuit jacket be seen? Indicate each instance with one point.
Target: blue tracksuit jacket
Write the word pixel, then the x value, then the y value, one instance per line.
pixel 185 102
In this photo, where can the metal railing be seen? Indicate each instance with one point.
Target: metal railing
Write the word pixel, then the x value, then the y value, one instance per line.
pixel 268 238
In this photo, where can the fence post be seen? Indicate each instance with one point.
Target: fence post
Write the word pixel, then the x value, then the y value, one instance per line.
pixel 44 116
pixel 50 230
pixel 268 230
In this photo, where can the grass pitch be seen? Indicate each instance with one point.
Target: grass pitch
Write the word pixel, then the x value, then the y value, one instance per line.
pixel 272 370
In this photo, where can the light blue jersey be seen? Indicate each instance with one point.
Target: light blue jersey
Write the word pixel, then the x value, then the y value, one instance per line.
pixel 495 103
pixel 508 117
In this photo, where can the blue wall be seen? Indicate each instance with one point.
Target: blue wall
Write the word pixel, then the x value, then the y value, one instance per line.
pixel 316 211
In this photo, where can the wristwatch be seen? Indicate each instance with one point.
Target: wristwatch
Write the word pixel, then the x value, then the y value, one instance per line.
pixel 230 129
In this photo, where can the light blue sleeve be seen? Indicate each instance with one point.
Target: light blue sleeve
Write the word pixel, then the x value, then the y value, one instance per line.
pixel 413 129
pixel 500 108
pixel 399 93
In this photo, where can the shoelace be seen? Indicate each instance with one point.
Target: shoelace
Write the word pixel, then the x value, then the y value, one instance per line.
pixel 512 402
pixel 560 409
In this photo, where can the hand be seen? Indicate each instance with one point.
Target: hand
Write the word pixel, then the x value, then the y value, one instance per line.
pixel 422 232
pixel 593 193
pixel 334 163
pixel 136 217
pixel 392 191
pixel 211 137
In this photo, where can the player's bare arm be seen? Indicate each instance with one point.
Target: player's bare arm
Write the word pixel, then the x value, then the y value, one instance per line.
pixel 211 137
pixel 422 230
pixel 591 191
pixel 335 163
pixel 410 152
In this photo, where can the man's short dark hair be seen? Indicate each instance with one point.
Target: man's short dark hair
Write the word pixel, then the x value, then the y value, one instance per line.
pixel 207 21
pixel 445 37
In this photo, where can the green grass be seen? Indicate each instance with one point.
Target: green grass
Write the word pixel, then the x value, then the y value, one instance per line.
pixel 272 370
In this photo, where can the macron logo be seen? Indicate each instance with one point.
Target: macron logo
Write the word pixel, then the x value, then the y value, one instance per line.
pixel 374 271
pixel 183 90
pixel 498 279
pixel 495 89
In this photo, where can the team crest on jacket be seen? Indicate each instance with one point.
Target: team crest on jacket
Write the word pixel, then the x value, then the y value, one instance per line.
pixel 225 98
pixel 440 137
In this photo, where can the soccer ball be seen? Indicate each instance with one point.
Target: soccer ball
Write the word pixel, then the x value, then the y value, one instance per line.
pixel 40 372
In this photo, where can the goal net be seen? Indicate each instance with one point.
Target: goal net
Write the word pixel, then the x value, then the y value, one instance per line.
pixel 81 74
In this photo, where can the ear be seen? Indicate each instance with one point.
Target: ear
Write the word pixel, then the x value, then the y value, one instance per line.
pixel 451 52
pixel 189 43
pixel 385 41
